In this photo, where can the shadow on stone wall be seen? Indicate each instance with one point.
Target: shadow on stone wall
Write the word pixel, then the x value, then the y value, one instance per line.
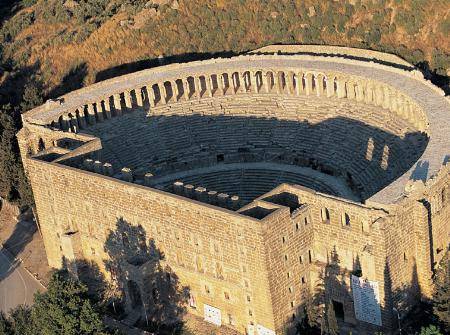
pixel 148 287
pixel 367 157
pixel 322 313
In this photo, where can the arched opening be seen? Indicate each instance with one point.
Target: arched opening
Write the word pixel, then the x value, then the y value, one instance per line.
pixel 325 215
pixel 41 145
pixel 345 220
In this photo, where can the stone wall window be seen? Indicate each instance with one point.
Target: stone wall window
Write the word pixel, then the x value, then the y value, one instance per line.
pixel 207 290
pixel 226 295
pixel 192 301
pixel 345 220
pixel 325 215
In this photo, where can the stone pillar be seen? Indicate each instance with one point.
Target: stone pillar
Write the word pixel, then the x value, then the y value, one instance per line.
pixel 186 89
pixel 222 199
pixel 148 178
pixel 368 96
pixel 308 84
pixel 200 194
pixel 319 85
pixel 379 95
pixel 253 82
pixel 330 86
pixel 209 86
pixel 340 88
pixel 178 187
pixel 108 169
pixel 242 86
pixel 88 164
pixel 91 113
pixel 127 98
pixel 232 83
pixel 299 83
pixel 386 97
pixel 350 88
pixel 107 105
pixel 266 81
pixel 151 96
pixel 234 202
pixel 393 102
pixel 99 108
pixel 117 104
pixel 198 87
pixel 290 82
pixel 162 93
pixel 212 197
pixel 74 123
pixel 81 118
pixel 138 94
pixel 98 167
pixel 127 174
pixel 359 92
pixel 189 190
pixel 277 82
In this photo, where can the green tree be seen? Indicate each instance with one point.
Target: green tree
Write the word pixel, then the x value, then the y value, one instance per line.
pixel 441 297
pixel 66 309
pixel 20 321
pixel 430 330
pixel 5 325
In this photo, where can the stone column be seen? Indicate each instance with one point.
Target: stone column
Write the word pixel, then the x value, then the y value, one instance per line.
pixel 209 86
pixel 350 88
pixel 99 109
pixel 178 187
pixel 107 105
pixel 379 95
pixel 148 178
pixel 81 118
pixel 393 102
pixel 319 85
pixel 91 113
pixel 162 93
pixel 74 123
pixel 368 96
pixel 299 83
pixel 88 164
pixel 277 82
pixel 232 82
pixel 198 87
pixel 127 174
pixel 212 197
pixel 189 190
pixel 151 96
pixel 253 82
pixel 98 167
pixel 242 86
pixel 330 86
pixel 266 81
pixel 222 199
pixel 234 202
pixel 359 92
pixel 386 97
pixel 138 94
pixel 127 98
pixel 175 91
pixel 200 194
pixel 340 88
pixel 108 169
pixel 186 91
pixel 117 104
pixel 308 84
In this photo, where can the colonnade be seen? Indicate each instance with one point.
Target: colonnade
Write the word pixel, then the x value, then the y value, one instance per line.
pixel 280 82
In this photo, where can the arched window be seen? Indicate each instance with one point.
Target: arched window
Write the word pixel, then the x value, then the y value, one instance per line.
pixel 345 219
pixel 325 213
pixel 41 144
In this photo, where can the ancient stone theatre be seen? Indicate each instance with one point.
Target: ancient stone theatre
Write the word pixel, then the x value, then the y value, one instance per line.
pixel 252 174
